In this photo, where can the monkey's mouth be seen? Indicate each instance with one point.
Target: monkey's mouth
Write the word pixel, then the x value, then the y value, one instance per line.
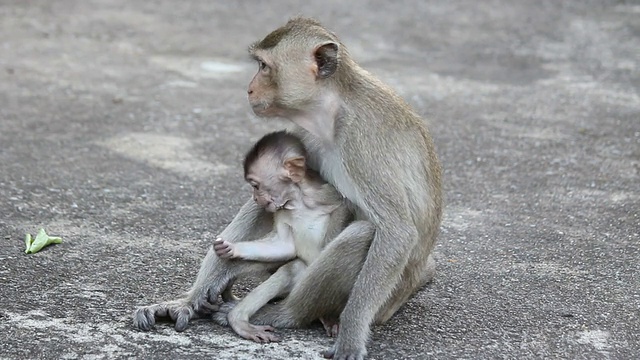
pixel 263 109
pixel 282 206
pixel 259 107
pixel 273 207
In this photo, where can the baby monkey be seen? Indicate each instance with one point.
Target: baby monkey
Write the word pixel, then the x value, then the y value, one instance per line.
pixel 308 213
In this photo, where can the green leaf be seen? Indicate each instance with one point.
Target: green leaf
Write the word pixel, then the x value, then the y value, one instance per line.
pixel 27 241
pixel 39 242
pixel 42 240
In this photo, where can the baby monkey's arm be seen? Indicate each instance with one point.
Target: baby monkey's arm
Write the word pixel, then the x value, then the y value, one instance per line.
pixel 277 246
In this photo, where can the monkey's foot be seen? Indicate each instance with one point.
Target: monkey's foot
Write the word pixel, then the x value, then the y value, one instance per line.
pixel 257 333
pixel 348 352
pixel 331 326
pixel 221 315
pixel 180 311
pixel 275 315
pixel 207 308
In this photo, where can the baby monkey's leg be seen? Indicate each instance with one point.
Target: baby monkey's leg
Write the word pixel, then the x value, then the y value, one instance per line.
pixel 278 284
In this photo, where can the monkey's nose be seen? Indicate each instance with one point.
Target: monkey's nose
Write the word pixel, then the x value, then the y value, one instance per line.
pixel 249 91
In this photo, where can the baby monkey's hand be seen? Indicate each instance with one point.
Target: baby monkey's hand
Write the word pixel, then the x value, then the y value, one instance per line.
pixel 224 249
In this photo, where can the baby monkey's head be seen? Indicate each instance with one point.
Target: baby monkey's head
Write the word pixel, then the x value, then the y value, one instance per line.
pixel 274 167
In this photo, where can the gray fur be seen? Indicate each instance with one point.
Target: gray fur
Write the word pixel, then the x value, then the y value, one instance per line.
pixel 367 142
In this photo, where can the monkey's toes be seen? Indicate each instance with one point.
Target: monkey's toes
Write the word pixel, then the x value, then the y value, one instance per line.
pixel 264 328
pixel 208 308
pixel 266 336
pixel 220 318
pixel 339 354
pixel 258 333
pixel 143 319
pixel 334 330
pixel 331 326
pixel 181 314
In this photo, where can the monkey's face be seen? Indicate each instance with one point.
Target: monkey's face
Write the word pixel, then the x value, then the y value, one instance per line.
pixel 263 90
pixel 284 84
pixel 273 195
pixel 273 190
pixel 293 63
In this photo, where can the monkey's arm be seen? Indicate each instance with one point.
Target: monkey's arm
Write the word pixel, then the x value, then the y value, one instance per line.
pixel 266 250
pixel 277 246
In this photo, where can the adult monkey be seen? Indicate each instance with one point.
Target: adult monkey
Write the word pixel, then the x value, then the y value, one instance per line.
pixel 367 142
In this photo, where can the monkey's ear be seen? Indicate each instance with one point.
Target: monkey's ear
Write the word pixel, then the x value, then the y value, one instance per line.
pixel 295 167
pixel 326 56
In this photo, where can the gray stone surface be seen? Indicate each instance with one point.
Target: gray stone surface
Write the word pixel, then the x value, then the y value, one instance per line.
pixel 122 126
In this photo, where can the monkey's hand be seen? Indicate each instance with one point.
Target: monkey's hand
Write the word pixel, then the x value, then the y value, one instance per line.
pixel 224 249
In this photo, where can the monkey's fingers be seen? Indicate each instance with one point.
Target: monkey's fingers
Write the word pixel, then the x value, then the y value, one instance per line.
pixel 227 255
pixel 218 246
pixel 224 251
pixel 181 315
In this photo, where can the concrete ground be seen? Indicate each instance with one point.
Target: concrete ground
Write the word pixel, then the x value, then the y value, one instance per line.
pixel 122 126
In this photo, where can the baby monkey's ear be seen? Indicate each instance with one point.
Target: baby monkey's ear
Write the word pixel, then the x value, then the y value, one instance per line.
pixel 295 167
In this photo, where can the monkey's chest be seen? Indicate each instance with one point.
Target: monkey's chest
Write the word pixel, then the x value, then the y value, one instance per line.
pixel 308 230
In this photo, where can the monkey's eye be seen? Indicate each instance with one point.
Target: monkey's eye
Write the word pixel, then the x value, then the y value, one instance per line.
pixel 262 65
